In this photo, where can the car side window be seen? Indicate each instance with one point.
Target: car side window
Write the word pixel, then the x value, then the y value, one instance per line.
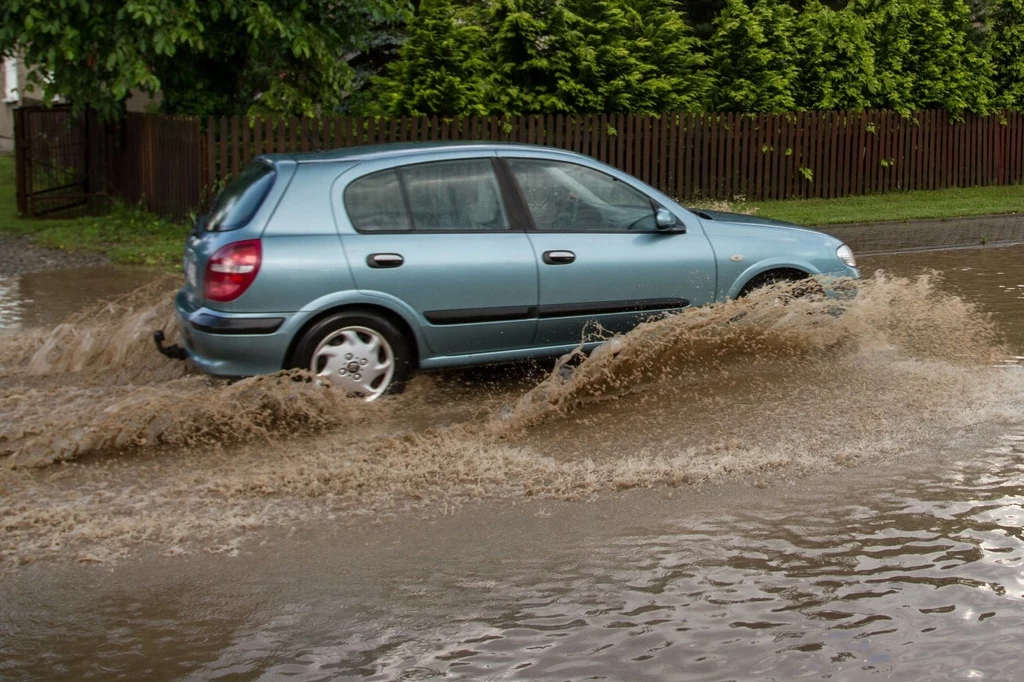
pixel 447 196
pixel 567 197
pixel 374 203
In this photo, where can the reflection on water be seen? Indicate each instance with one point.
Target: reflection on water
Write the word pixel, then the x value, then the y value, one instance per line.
pixel 921 576
pixel 924 578
pixel 11 303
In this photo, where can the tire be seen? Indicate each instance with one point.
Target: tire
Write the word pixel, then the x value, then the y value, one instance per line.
pixel 361 352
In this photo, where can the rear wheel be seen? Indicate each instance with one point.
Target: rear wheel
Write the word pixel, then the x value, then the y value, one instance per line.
pixel 362 353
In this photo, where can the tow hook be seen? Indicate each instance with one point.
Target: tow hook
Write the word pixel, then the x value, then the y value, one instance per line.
pixel 174 351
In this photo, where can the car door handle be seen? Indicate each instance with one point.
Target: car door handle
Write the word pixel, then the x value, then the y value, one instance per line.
pixel 559 257
pixel 384 260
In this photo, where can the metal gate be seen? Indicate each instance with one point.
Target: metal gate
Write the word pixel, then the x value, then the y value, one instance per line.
pixel 52 158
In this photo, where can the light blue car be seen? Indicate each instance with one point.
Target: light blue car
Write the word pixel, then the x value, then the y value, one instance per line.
pixel 364 264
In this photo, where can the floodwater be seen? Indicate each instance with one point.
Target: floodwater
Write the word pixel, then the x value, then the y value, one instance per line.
pixel 43 299
pixel 764 490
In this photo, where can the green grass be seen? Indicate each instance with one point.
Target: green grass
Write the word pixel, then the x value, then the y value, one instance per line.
pixel 898 206
pixel 126 235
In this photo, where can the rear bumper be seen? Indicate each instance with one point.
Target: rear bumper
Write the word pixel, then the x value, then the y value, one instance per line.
pixel 219 325
pixel 232 345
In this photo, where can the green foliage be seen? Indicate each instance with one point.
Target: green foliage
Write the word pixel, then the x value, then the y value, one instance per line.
pixel 441 65
pixel 837 62
pixel 204 56
pixel 924 58
pixel 458 57
pixel 518 56
pixel 540 57
pixel 753 56
pixel 652 63
pixel 1006 45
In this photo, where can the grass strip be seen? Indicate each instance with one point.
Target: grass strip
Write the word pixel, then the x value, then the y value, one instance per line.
pixel 126 235
pixel 895 206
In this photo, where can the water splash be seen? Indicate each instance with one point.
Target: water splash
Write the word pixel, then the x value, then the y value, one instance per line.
pixel 771 385
pixel 781 324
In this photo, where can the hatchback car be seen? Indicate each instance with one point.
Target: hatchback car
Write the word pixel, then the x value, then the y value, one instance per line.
pixel 364 264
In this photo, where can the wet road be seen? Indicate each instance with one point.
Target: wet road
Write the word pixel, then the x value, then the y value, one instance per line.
pixel 908 566
pixel 899 575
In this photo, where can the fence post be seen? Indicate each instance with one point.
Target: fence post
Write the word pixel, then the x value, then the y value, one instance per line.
pixel 211 153
pixel 87 156
pixel 21 160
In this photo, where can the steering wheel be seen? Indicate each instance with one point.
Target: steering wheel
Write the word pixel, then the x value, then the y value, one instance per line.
pixel 576 215
pixel 587 218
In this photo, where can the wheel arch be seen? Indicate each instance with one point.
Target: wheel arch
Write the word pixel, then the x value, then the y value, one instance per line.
pixel 779 271
pixel 392 316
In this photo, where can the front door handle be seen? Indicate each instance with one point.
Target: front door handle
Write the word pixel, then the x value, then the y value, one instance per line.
pixel 384 260
pixel 559 257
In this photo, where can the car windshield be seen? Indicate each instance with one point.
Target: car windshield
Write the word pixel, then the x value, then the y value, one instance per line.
pixel 238 202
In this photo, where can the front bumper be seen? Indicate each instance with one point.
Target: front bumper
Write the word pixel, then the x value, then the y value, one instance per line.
pixel 838 284
pixel 233 345
pixel 845 273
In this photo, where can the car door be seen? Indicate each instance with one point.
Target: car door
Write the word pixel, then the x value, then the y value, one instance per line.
pixel 437 237
pixel 600 257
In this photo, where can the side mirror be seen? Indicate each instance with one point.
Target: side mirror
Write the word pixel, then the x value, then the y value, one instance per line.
pixel 666 222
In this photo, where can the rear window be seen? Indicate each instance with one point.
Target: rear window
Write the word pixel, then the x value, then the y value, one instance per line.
pixel 238 202
pixel 374 203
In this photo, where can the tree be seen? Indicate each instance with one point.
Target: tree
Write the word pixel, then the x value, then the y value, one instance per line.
pixel 540 58
pixel 529 56
pixel 653 62
pixel 836 60
pixel 212 56
pixel 754 57
pixel 441 67
pixel 1006 45
pixel 924 58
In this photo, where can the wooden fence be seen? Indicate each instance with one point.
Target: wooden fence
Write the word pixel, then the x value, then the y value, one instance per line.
pixel 159 164
pixel 52 157
pixel 68 163
pixel 696 156
pixel 172 164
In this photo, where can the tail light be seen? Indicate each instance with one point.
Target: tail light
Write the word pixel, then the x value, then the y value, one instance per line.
pixel 232 269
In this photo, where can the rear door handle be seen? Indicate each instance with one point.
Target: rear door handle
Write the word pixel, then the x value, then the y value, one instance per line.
pixel 559 257
pixel 384 260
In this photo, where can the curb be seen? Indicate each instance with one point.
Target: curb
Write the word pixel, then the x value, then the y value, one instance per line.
pixel 916 235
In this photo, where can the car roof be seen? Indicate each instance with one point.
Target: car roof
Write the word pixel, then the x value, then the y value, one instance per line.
pixel 380 151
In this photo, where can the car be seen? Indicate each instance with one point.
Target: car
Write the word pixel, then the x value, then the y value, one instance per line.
pixel 364 264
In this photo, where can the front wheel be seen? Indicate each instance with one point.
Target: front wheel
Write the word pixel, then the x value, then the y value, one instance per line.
pixel 361 353
pixel 806 286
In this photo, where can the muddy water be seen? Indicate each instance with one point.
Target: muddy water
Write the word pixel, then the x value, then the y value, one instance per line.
pixel 994 278
pixel 43 299
pixel 757 491
pixel 917 578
